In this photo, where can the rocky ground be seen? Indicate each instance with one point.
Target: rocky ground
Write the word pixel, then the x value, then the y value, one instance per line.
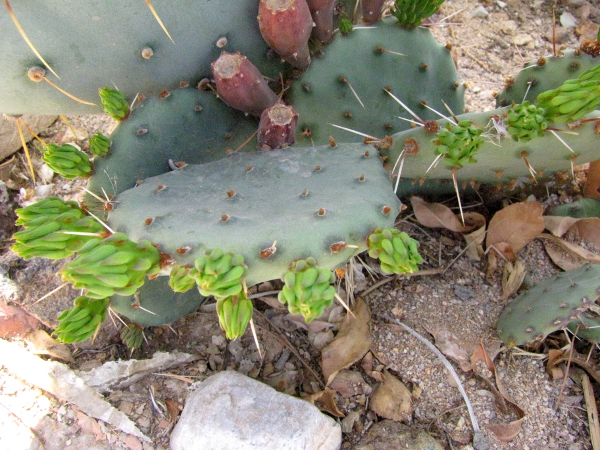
pixel 451 302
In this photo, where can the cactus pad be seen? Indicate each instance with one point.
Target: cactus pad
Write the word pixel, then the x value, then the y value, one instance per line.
pixel 549 306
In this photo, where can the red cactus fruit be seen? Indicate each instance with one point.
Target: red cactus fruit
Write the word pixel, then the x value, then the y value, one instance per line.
pixel 371 10
pixel 277 127
pixel 322 14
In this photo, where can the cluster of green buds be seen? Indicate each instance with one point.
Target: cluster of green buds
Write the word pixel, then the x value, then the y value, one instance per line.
pixel 67 161
pixel 82 321
pixel 221 275
pixel 54 229
pixel 234 314
pixel 410 13
pixel 307 290
pixel 115 265
pixel 458 143
pixel 397 251
pixel 99 144
pixel 573 99
pixel 114 103
pixel 180 279
pixel 526 121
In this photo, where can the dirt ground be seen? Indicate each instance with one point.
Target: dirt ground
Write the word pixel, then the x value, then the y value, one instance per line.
pixel 460 302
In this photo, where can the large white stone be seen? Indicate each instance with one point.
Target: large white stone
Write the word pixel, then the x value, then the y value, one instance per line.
pixel 231 411
pixel 10 141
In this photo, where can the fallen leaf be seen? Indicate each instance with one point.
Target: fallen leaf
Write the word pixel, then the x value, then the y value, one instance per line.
pixel 512 278
pixel 516 225
pixel 505 432
pixel 90 426
pixel 348 383
pixel 44 345
pixel 133 443
pixel 392 400
pixel 559 225
pixel 15 321
pixel 436 215
pixel 351 343
pixel 552 366
pixel 325 401
pixel 454 348
pixel 172 409
pixel 566 255
pixel 475 240
pixel 588 230
pixel 591 188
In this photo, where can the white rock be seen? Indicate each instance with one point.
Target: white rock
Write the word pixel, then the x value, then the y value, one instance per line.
pixel 480 12
pixel 231 411
pixel 567 20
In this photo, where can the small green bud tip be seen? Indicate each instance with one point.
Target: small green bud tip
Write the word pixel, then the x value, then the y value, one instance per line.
pixel 307 289
pixel 397 252
pixel 82 321
pixel 99 144
pixel 114 103
pixel 346 26
pixel 67 161
pixel 234 314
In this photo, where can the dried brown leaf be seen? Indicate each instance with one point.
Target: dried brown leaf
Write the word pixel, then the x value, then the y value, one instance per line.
pixel 351 343
pixel 505 432
pixel 512 278
pixel 475 239
pixel 15 321
pixel 392 400
pixel 44 345
pixel 592 184
pixel 566 255
pixel 516 225
pixel 325 401
pixel 559 225
pixel 588 229
pixel 348 383
pixel 453 347
pixel 436 215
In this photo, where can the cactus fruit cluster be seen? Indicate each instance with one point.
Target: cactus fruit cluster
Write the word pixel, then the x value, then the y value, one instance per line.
pixel 564 301
pixel 246 168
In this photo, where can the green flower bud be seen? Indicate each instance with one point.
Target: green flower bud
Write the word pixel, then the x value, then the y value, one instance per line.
pixel 82 321
pixel 234 314
pixel 219 274
pixel 67 161
pixel 114 103
pixel 132 336
pixel 99 144
pixel 307 289
pixel 396 251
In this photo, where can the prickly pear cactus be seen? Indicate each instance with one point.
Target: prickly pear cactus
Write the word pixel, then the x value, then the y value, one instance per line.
pixel 273 207
pixel 338 90
pixel 116 43
pixel 560 302
pixel 547 73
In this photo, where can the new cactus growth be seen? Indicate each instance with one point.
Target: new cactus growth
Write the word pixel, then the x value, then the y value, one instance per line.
pixel 82 321
pixel 67 161
pixel 307 289
pixel 552 305
pixel 193 210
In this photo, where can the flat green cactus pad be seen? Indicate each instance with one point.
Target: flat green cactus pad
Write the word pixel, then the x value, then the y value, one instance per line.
pixel 271 207
pixel 551 305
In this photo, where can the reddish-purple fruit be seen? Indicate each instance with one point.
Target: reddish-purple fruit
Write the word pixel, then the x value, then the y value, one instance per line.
pixel 322 14
pixel 277 127
pixel 286 26
pixel 241 85
pixel 372 10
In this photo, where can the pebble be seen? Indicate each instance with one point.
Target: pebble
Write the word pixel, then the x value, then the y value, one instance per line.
pixel 480 12
pixel 229 410
pixel 567 20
